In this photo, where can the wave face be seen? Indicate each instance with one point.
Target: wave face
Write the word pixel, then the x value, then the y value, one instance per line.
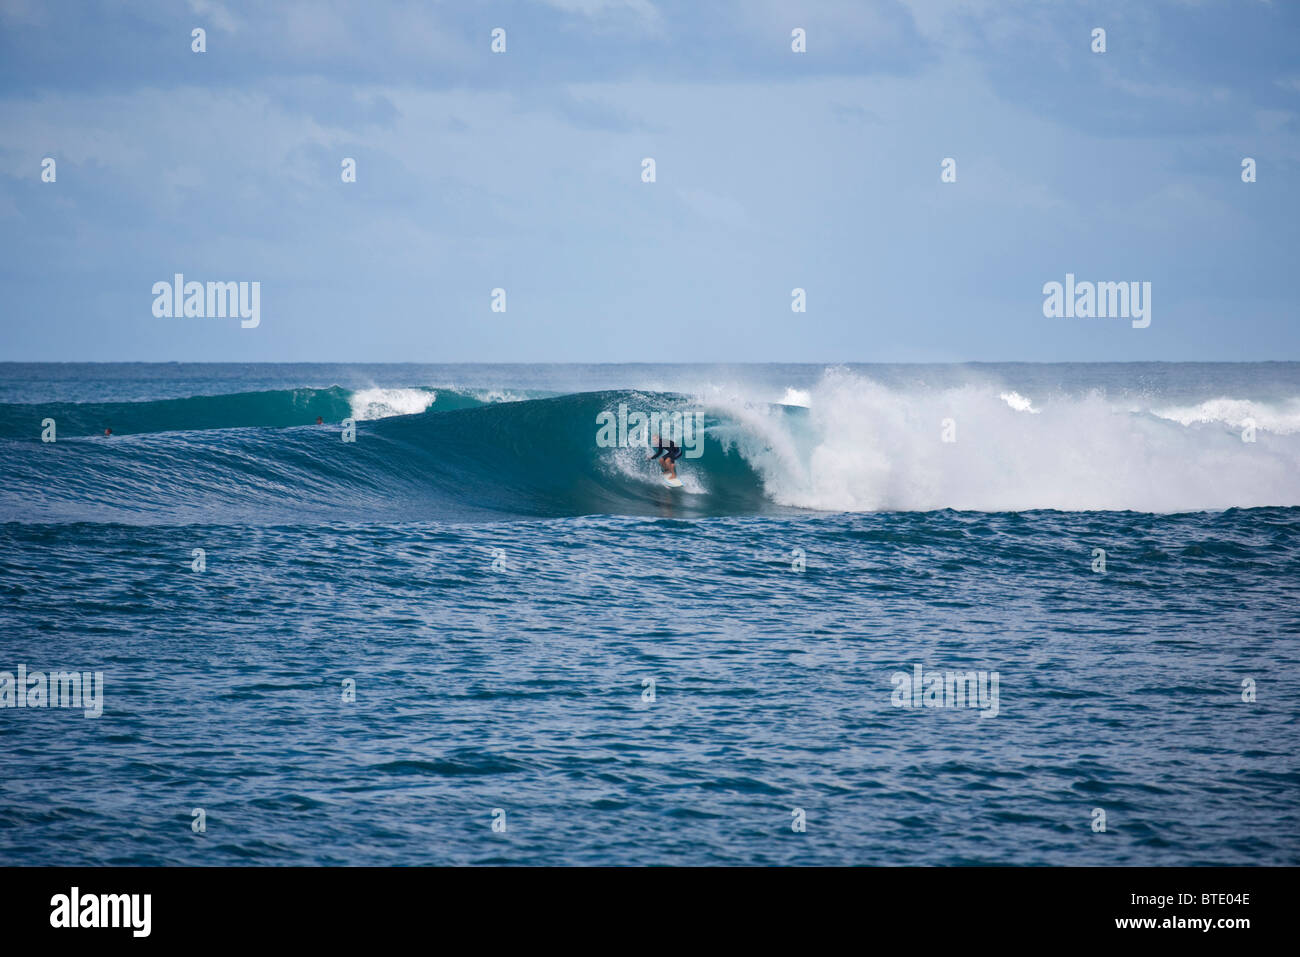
pixel 527 458
pixel 274 408
pixel 846 443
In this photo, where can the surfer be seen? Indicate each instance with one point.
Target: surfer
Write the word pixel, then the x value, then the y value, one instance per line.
pixel 667 452
pixel 319 420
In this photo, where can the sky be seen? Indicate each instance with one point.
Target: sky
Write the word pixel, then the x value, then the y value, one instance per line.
pixel 775 170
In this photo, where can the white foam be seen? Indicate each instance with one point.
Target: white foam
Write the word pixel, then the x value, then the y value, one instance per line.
pixel 864 447
pixel 633 462
pixel 384 403
pixel 497 395
pixel 1282 418
pixel 1018 402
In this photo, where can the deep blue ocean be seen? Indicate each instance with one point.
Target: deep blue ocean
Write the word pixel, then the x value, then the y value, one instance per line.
pixel 479 634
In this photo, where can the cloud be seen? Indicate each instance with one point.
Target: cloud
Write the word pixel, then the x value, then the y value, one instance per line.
pixel 215 14
pixel 643 9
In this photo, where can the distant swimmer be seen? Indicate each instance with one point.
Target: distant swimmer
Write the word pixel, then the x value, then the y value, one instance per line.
pixel 108 431
pixel 667 453
pixel 319 420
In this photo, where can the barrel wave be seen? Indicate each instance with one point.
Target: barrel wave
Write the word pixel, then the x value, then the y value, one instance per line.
pixel 480 460
pixel 849 444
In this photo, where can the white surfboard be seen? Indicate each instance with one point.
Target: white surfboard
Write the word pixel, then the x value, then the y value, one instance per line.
pixel 672 482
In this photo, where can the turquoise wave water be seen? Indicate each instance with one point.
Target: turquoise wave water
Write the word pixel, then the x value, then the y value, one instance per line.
pixel 273 408
pixel 850 444
pixel 462 458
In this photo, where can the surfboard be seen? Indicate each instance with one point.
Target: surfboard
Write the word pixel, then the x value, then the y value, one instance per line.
pixel 672 482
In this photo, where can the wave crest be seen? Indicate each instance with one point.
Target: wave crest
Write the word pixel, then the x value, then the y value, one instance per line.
pixel 853 445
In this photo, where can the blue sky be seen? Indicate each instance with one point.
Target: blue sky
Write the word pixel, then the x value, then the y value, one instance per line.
pixel 775 170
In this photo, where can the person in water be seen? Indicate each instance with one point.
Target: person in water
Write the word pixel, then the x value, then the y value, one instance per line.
pixel 667 453
pixel 108 431
pixel 319 420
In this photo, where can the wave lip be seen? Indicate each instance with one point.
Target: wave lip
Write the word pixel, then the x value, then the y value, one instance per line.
pixel 273 409
pixel 379 403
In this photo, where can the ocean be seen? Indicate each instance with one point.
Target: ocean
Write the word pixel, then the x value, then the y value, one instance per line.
pixel 954 614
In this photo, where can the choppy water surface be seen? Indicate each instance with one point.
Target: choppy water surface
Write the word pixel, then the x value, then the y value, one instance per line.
pixel 503 592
